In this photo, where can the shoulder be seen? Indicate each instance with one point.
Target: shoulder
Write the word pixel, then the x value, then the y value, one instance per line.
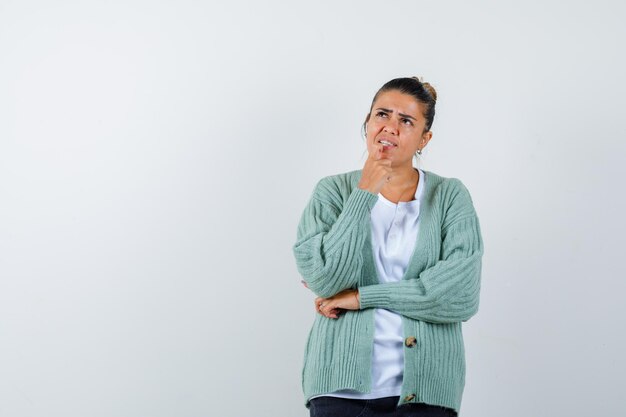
pixel 338 187
pixel 447 187
pixel 452 197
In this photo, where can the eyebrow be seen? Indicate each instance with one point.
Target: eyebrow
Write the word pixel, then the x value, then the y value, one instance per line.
pixel 408 116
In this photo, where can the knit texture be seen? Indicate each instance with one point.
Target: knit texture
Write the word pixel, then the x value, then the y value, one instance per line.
pixel 440 289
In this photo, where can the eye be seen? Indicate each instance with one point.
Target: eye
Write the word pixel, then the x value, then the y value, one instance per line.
pixel 381 114
pixel 407 122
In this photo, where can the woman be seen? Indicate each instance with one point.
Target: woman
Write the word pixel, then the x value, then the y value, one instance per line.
pixel 394 254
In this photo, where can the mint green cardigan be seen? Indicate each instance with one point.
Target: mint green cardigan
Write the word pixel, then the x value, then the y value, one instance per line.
pixel 438 292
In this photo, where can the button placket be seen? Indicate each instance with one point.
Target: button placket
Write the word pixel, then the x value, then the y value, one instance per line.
pixel 395 223
pixel 400 215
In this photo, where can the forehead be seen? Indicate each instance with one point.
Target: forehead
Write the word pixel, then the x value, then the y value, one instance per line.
pixel 399 102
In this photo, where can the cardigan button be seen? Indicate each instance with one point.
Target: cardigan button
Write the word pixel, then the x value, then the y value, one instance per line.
pixel 410 341
pixel 409 397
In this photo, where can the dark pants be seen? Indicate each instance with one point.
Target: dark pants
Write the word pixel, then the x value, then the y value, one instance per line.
pixel 380 407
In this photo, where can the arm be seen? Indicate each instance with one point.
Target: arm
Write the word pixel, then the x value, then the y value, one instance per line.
pixel 330 239
pixel 449 290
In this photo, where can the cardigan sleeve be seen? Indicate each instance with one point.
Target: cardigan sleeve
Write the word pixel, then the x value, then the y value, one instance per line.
pixel 448 291
pixel 330 238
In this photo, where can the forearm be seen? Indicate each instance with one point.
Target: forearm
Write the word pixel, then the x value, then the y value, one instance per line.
pixel 330 242
pixel 409 298
pixel 446 292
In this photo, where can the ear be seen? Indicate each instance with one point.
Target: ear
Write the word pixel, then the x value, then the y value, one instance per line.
pixel 426 137
pixel 364 126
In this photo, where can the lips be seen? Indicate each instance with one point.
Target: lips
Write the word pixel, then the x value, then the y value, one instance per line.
pixel 386 142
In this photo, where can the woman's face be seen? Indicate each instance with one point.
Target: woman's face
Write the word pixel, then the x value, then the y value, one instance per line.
pixel 396 121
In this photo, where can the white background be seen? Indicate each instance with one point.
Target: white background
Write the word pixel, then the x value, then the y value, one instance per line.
pixel 155 157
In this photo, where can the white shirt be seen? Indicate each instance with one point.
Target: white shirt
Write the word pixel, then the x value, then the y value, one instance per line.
pixel 394 233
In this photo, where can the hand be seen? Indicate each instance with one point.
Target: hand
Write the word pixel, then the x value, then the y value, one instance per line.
pixel 376 171
pixel 331 307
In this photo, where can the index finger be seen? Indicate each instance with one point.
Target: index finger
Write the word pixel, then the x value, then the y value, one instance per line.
pixel 381 153
pixel 378 152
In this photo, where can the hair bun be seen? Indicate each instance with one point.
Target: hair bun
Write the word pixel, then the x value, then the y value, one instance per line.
pixel 427 86
pixel 431 90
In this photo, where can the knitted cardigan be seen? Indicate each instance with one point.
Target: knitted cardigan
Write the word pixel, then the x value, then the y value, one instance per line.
pixel 440 289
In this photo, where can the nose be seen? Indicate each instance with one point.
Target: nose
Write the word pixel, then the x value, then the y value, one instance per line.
pixel 391 127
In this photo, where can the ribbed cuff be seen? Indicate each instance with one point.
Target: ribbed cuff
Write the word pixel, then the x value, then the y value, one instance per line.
pixel 356 210
pixel 373 296
pixel 360 199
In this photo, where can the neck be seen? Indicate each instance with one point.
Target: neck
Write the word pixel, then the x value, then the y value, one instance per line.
pixel 402 177
pixel 402 185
